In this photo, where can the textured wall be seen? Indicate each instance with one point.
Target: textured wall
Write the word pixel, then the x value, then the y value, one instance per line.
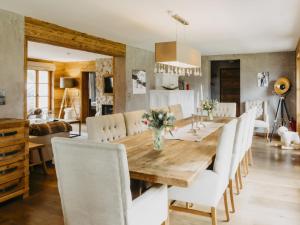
pixel 103 67
pixel 12 64
pixel 278 64
pixel 138 59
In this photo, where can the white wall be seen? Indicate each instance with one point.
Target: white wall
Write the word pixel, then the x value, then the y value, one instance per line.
pixel 278 64
pixel 12 64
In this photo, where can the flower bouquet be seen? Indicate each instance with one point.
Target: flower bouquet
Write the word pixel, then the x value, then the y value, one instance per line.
pixel 209 106
pixel 159 121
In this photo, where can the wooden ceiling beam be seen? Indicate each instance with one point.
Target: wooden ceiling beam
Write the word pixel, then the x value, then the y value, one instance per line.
pixel 44 32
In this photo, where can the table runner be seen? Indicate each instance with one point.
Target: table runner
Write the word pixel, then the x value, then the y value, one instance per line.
pixel 186 133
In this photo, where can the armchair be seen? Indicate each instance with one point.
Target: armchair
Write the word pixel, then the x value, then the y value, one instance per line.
pixel 262 117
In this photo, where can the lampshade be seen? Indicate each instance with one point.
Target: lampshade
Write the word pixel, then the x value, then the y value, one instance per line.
pixel 176 54
pixel 66 82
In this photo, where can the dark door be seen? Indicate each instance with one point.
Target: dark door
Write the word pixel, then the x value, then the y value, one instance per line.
pixel 230 86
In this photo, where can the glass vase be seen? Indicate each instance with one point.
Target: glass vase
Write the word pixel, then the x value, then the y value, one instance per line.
pixel 158 139
pixel 210 115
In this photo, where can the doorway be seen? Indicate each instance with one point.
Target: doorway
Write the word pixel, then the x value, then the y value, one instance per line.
pixel 225 81
pixel 88 95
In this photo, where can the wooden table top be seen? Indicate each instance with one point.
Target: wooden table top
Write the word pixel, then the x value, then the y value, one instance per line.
pixel 179 162
pixel 33 146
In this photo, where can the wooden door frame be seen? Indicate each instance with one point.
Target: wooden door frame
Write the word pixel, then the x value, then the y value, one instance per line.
pixel 298 86
pixel 48 33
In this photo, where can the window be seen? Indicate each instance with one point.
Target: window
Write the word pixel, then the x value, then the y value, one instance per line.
pixel 38 90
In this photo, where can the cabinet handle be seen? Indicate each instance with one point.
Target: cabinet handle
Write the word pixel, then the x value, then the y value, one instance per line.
pixel 6 134
pixel 9 188
pixel 7 171
pixel 5 154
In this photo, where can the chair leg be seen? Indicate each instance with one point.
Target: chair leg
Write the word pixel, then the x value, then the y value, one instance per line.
pixel 250 157
pixel 231 195
pixel 244 161
pixel 226 205
pixel 247 163
pixel 166 222
pixel 240 176
pixel 237 183
pixel 267 135
pixel 213 216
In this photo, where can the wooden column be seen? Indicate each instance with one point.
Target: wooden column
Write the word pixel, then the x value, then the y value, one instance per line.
pixel 119 84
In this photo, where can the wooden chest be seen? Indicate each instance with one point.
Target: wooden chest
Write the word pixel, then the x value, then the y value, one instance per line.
pixel 14 160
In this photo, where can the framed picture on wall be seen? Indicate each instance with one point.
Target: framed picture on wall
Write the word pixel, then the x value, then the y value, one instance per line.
pixel 139 81
pixel 263 79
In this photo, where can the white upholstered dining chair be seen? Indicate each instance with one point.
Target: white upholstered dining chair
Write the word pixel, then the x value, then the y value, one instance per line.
pixel 238 149
pixel 94 186
pixel 163 108
pixel 262 116
pixel 225 109
pixel 177 111
pixel 106 128
pixel 246 156
pixel 210 185
pixel 133 121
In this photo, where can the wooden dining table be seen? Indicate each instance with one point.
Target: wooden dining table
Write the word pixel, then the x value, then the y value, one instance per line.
pixel 180 161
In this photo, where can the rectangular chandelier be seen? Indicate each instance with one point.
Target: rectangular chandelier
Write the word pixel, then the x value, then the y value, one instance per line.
pixel 176 54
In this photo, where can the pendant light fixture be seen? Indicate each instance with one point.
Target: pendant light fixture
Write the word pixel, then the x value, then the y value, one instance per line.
pixel 177 54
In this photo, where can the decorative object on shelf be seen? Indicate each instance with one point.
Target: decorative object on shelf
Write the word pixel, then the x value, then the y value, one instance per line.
pixel 170 87
pixel 2 97
pixel 209 106
pixel 281 88
pixel 138 81
pixel 175 56
pixel 263 79
pixel 66 83
pixel 159 121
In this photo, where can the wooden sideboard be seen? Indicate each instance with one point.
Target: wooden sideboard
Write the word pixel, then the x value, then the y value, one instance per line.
pixel 14 160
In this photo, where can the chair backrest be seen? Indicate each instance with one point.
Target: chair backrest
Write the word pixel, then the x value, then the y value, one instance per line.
pixel 225 109
pixel 224 151
pixel 106 128
pixel 93 182
pixel 238 146
pixel 261 108
pixel 165 109
pixel 177 111
pixel 252 115
pixel 133 121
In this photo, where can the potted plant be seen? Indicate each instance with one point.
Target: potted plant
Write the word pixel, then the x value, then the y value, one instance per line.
pixel 159 121
pixel 209 106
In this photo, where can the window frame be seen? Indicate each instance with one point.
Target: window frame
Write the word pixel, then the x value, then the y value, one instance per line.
pixel 37 86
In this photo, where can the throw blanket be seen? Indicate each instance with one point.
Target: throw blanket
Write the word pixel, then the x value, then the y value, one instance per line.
pixel 49 128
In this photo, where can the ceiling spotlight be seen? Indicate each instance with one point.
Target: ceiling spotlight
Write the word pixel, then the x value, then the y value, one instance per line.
pixel 178 18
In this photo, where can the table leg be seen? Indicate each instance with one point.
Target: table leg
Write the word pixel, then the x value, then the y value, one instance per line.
pixel 43 161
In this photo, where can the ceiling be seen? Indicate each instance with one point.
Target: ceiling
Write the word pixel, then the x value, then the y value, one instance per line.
pixel 216 26
pixel 60 54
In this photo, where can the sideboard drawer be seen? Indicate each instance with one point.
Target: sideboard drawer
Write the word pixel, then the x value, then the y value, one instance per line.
pixel 11 187
pixel 11 172
pixel 12 134
pixel 11 154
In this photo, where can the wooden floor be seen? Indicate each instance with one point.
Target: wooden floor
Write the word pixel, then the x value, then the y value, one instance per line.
pixel 271 195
